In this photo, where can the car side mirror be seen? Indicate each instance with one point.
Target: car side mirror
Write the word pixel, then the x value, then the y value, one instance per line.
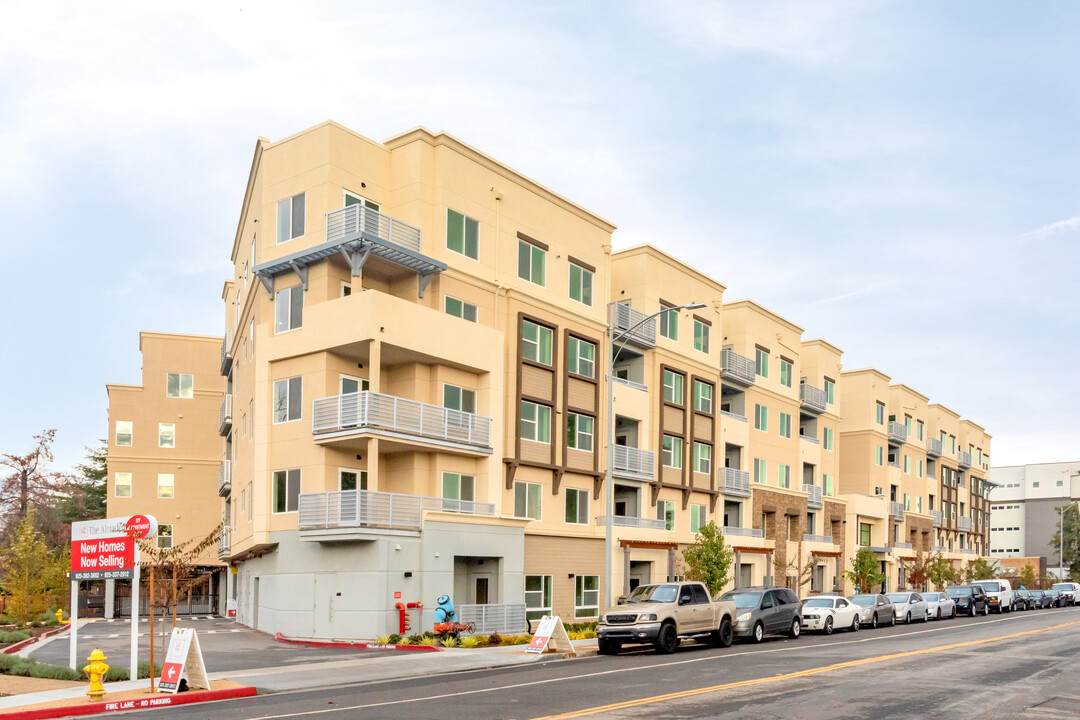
pixel 684 601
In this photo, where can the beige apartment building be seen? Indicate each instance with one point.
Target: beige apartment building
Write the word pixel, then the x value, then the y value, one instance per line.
pixel 164 449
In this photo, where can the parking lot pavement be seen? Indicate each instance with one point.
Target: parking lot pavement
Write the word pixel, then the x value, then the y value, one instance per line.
pixel 226 645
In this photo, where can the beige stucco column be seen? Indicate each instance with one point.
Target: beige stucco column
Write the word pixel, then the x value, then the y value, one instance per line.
pixel 374 368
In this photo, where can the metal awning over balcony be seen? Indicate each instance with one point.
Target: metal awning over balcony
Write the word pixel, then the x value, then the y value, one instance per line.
pixel 390 416
pixel 356 233
pixel 813 399
pixel 897 432
pixel 736 368
pixel 933 447
pixel 640 329
pixel 633 463
pixel 736 482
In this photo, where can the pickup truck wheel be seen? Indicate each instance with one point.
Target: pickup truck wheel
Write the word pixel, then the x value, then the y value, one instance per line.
pixel 759 632
pixel 667 639
pixel 722 638
pixel 609 647
pixel 796 629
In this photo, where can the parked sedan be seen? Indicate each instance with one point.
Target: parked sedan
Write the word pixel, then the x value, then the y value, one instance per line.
pixel 761 611
pixel 1023 599
pixel 829 612
pixel 909 606
pixel 939 605
pixel 874 610
pixel 970 599
pixel 1042 599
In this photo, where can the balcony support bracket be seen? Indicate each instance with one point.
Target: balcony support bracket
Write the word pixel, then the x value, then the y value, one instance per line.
pixel 422 282
pixel 556 479
pixel 301 271
pixel 355 259
pixel 511 469
pixel 597 485
pixel 268 283
pixel 655 494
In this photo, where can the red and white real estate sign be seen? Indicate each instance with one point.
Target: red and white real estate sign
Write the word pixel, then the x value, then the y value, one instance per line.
pixel 550 635
pixel 183 659
pixel 105 549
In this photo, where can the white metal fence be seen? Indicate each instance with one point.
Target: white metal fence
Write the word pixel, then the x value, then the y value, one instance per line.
pixel 812 397
pixel 814 491
pixel 634 461
pixel 736 482
pixel 368 409
pixel 355 219
pixel 809 537
pixel 626 319
pixel 496 617
pixel 897 431
pixel 738 366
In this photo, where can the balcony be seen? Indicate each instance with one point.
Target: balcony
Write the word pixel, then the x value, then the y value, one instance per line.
pixel 224 542
pixel 809 439
pixel 737 368
pixel 226 353
pixel 881 549
pixel 353 220
pixel 933 447
pixel 813 399
pixel 224 483
pixel 633 463
pixel 345 510
pixel 225 416
pixel 896 509
pixel 633 522
pixel 936 514
pixel 368 412
pixel 902 546
pixel 964 524
pixel 639 328
pixel 963 459
pixel 938 548
pixel 744 532
pixel 897 432
pixel 736 482
pixel 967 551
pixel 808 537
pixel 814 491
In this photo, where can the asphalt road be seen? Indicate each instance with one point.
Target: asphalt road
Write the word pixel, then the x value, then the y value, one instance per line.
pixel 999 666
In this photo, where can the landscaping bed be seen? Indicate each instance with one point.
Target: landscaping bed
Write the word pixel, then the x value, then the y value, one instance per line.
pixel 576 631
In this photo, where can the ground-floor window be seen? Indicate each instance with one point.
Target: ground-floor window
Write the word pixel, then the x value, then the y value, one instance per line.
pixel 537 596
pixel 586 596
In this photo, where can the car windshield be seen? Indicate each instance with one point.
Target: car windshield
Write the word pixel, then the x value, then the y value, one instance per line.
pixel 990 585
pixel 898 597
pixel 1061 586
pixel 654 594
pixel 864 599
pixel 743 600
pixel 930 597
pixel 1037 593
pixel 1053 592
pixel 958 591
pixel 818 602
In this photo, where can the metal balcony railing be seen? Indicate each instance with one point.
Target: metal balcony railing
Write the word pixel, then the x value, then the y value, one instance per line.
pixel 369 410
pixel 224 486
pixel 897 432
pixel 634 463
pixel 896 509
pixel 733 416
pixel 736 482
pixel 224 541
pixel 225 416
pixel 630 383
pixel 964 524
pixel 359 220
pixel 936 514
pixel 812 398
pixel 809 537
pixel 640 329
pixel 963 459
pixel 736 368
pixel 938 548
pixel 744 532
pixel 370 508
pixel 967 551
pixel 226 352
pixel 902 545
pixel 633 522
pixel 809 438
pixel 933 447
pixel 814 491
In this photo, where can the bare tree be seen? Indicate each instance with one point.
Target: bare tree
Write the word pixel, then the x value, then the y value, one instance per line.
pixel 29 483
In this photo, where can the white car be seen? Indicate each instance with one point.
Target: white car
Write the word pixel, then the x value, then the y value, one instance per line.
pixel 829 612
pixel 999 594
pixel 909 606
pixel 1070 592
pixel 939 605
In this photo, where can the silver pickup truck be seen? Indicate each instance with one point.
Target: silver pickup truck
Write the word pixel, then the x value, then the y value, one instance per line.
pixel 661 615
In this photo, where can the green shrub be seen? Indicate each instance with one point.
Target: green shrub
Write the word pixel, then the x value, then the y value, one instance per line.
pixel 471 641
pixel 516 639
pixel 406 641
pixel 8 638
pixel 449 642
pixel 494 640
pixel 416 639
pixel 55 672
pixel 382 639
pixel 427 640
pixel 15 665
pixel 395 638
pixel 117 673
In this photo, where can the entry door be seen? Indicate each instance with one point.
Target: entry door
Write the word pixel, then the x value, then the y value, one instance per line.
pixel 640 573
pixel 326 595
pixel 481 590
pixel 746 575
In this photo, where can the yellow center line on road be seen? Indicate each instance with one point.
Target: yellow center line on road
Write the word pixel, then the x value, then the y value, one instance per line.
pixel 788 676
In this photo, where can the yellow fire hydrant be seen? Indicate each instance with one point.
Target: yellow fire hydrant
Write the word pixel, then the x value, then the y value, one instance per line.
pixel 96 670
pixel 60 617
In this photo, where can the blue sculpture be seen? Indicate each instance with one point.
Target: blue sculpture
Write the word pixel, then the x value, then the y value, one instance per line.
pixel 445 612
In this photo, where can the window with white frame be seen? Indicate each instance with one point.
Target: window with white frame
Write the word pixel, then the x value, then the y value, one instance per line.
pixel 586 596
pixel 761 362
pixel 286 490
pixel 535 342
pixel 665 510
pixel 783 475
pixel 827 439
pixel 669 323
pixel 582 357
pixel 346 289
pixel 580 284
pixel 702 458
pixel 459 398
pixel 460 308
pixel 462 234
pixel 698 517
pixel 535 422
pixel 288 399
pixel 537 596
pixel 579 432
pixel 785 425
pixel 456 486
pixel 761 470
pixel 701 336
pixel 251 501
pixel 179 385
pixel 166 485
pixel 290 218
pixel 761 418
pixel 577 507
pixel 166 435
pixel 122 485
pixel 289 309
pixel 124 433
pixel 703 397
pixel 673 387
pixel 671 452
pixel 527 500
pixel 349 479
pixel 786 369
pixel 532 262
pixel 164 536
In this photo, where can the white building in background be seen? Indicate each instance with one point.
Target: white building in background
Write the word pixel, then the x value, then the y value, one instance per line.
pixel 1025 509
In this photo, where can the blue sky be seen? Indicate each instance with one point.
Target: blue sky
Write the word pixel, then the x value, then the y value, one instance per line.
pixel 898 178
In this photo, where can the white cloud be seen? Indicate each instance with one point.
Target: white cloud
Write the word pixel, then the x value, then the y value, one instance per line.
pixel 1056 228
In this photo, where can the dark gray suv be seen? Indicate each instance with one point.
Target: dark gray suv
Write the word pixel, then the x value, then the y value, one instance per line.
pixel 765 610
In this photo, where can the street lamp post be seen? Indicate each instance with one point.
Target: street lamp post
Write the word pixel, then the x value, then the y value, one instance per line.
pixel 609 490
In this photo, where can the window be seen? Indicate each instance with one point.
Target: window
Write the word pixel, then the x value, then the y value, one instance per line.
pixel 880 416
pixel 698 517
pixel 785 372
pixel 535 342
pixel 783 475
pixel 761 362
pixel 673 387
pixel 671 452
pixel 164 536
pixel 907 502
pixel 577 507
pixel 586 596
pixel 828 438
pixel 830 392
pixel 166 435
pixel 531 260
pixel 864 534
pixel 579 432
pixel 288 309
pixel 459 398
pixel 347 384
pixel 918 504
pixel 701 336
pixel 122 485
pixel 124 433
pixel 537 596
pixel 456 486
pixel 827 485
pixel 580 284
pixel 251 501
pixel 879 456
pixel 669 323
pixel 665 510
pixel 353 479
pixel 582 357
pixel 760 470
pixel 703 393
pixel 346 289
pixel 527 500
pixel 290 218
pixel 460 308
pixel 702 458
pixel 286 490
pixel 919 429
pixel 535 422
pixel 918 468
pixel 785 425
pixel 462 234
pixel 165 485
pixel 761 418
pixel 907 464
pixel 907 425
pixel 288 399
pixel 180 385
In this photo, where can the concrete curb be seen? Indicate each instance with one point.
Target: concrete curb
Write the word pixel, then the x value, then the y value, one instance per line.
pixel 10 649
pixel 356 645
pixel 187 698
